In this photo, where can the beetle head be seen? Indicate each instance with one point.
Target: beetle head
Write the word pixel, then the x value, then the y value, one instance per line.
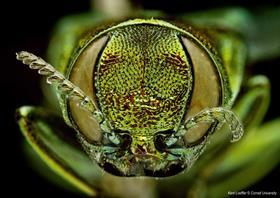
pixel 145 82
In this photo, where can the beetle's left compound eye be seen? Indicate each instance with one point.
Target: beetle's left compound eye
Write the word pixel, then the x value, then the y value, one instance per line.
pixel 82 75
pixel 206 88
pixel 196 134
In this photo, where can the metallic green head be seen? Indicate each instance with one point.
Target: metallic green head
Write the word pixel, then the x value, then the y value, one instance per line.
pixel 145 78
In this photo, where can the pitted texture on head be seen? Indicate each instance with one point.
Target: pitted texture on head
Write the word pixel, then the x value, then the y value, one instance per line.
pixel 143 79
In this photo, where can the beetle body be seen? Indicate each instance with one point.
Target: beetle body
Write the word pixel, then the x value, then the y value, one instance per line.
pixel 144 95
pixel 147 77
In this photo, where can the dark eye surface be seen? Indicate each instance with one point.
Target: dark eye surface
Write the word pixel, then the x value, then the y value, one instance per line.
pixel 82 76
pixel 125 139
pixel 159 140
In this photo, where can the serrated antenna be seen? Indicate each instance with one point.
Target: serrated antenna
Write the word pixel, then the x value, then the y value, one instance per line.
pixel 215 114
pixel 63 85
pixel 221 115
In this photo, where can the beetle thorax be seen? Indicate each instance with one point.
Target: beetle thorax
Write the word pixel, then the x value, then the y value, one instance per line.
pixel 143 79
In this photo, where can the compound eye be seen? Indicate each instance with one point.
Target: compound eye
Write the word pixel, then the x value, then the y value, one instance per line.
pixel 82 75
pixel 195 135
pixel 207 90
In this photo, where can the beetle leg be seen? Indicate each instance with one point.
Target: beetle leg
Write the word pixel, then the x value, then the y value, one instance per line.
pixel 46 133
pixel 252 105
pixel 256 155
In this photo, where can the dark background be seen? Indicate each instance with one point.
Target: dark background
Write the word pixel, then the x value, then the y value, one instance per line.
pixel 26 25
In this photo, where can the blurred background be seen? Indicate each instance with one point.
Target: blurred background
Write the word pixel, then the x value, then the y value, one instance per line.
pixel 27 25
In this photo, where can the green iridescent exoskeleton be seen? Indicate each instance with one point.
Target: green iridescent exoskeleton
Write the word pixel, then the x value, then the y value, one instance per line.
pixel 145 97
pixel 143 79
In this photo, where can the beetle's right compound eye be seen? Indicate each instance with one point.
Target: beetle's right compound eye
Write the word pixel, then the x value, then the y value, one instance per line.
pixel 82 75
